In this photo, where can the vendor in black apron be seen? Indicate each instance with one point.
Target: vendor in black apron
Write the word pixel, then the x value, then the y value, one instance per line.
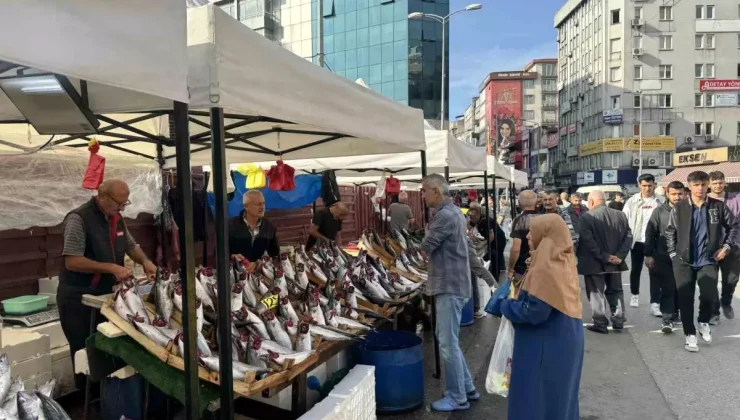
pixel 327 224
pixel 251 235
pixel 95 242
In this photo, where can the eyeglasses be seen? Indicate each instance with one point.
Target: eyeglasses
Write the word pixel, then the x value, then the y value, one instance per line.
pixel 121 206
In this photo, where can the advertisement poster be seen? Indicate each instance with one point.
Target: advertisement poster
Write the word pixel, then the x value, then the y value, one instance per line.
pixel 505 107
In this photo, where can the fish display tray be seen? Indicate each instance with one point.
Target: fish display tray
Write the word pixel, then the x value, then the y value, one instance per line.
pixel 245 387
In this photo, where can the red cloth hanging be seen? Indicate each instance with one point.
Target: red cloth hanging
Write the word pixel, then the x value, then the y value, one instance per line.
pixel 281 177
pixel 473 195
pixel 392 185
pixel 95 168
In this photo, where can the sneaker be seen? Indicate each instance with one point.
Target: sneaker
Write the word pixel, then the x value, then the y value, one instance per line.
pixel 480 314
pixel 447 404
pixel 667 327
pixel 635 301
pixel 714 320
pixel 705 332
pixel 473 395
pixel 598 329
pixel 617 323
pixel 691 344
pixel 655 309
pixel 728 312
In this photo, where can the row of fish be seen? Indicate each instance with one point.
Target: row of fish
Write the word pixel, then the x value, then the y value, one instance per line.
pixel 17 404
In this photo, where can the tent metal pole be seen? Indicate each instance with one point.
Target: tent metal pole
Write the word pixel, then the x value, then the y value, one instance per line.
pixel 447 174
pixel 313 205
pixel 512 199
pixel 162 231
pixel 425 217
pixel 437 369
pixel 494 258
pixel 187 258
pixel 218 155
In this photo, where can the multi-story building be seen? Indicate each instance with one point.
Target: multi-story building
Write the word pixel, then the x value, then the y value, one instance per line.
pixel 540 115
pixel 660 76
pixel 469 124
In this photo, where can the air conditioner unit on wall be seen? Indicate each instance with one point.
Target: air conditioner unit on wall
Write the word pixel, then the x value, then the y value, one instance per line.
pixel 689 140
pixel 637 23
pixel 635 161
pixel 636 52
pixel 653 161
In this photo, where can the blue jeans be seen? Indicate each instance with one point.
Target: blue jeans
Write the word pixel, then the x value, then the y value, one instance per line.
pixel 457 377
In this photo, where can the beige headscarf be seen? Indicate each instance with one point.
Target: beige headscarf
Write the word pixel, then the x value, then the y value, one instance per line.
pixel 552 275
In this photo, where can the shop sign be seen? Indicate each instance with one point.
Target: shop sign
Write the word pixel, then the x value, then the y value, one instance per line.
pixel 579 178
pixel 572 128
pixel 609 176
pixel 632 144
pixel 613 116
pixel 719 85
pixel 589 177
pixel 701 157
pixel 563 130
pixel 513 75
pixel 657 173
pixel 591 148
pixel 725 99
pixel 552 141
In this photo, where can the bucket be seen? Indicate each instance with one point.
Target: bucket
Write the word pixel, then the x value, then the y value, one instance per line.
pixel 398 357
pixel 466 318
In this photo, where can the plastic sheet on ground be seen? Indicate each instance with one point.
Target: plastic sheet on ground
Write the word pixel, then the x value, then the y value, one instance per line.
pixel 39 189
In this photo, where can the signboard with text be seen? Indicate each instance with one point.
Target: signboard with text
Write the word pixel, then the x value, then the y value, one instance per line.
pixel 725 99
pixel 572 128
pixel 609 176
pixel 630 144
pixel 719 85
pixel 701 157
pixel 613 116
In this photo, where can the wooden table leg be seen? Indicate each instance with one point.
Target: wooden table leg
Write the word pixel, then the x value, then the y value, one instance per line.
pixel 299 403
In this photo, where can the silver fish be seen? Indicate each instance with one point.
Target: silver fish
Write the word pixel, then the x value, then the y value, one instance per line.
pixel 203 346
pixel 5 415
pixel 119 305
pixel 213 364
pixel 262 288
pixel 276 330
pixel 29 406
pixel 280 282
pixel 254 351
pixel 301 276
pixel 328 335
pixel 237 297
pixel 352 324
pixel 290 327
pixel 150 331
pixel 201 291
pixel 48 387
pixel 180 341
pixel 134 302
pixel 177 297
pixel 163 327
pixel 11 401
pixel 286 265
pixel 303 342
pixel 286 309
pixel 248 296
pixel 350 297
pixel 330 316
pixel 255 323
pixel 275 347
pixel 162 301
pixel 297 357
pixel 5 379
pixel 51 409
pixel 199 314
pixel 268 269
pixel 317 271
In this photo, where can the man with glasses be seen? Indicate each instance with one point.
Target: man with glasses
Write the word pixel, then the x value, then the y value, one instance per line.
pixel 96 242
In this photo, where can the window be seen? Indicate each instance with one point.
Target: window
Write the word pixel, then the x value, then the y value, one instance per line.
pixel 615 17
pixel 616 159
pixel 698 129
pixel 528 99
pixel 709 71
pixel 710 41
pixel 738 70
pixel 529 115
pixel 698 100
pixel 638 72
pixel 636 101
pixel 699 42
pixel 710 12
pixel 666 42
pixel 638 13
pixel 636 130
pixel 708 128
pixel 698 71
pixel 664 129
pixel 709 99
pixel 665 159
pixel 529 84
pixel 615 74
pixel 665 100
pixel 705 12
pixel 701 129
pixel 616 102
pixel 700 12
pixel 616 131
pixel 666 71
pixel 666 13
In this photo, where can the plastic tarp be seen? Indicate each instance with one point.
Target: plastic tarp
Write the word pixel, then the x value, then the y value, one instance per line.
pixel 307 190
pixel 39 189
pixel 442 149
pixel 234 68
pixel 133 54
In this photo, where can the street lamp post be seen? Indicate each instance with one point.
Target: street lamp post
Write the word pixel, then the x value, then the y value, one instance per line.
pixel 443 20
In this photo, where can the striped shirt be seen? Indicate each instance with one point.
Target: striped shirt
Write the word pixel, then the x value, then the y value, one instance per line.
pixel 75 237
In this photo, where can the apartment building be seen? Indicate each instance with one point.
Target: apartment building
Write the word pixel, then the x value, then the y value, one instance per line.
pixel 467 132
pixel 660 76
pixel 540 115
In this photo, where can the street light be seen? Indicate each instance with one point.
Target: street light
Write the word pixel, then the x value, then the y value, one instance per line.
pixel 443 20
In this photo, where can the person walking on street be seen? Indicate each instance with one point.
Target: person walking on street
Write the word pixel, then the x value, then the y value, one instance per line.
pixel 701 232
pixel 519 252
pixel 446 245
pixel 730 266
pixel 576 210
pixel 638 210
pixel 657 259
pixel 604 243
pixel 618 202
pixel 550 206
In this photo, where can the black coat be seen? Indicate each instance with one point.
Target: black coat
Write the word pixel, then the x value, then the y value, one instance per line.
pixel 722 229
pixel 240 239
pixel 655 240
pixel 604 232
pixel 574 217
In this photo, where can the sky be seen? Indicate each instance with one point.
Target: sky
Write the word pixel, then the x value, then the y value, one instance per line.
pixel 503 36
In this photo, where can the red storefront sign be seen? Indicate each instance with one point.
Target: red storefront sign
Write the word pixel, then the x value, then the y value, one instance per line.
pixel 719 85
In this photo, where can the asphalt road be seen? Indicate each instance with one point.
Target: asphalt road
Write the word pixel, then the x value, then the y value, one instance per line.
pixel 637 374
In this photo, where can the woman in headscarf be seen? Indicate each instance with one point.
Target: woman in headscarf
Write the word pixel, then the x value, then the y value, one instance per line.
pixel 548 339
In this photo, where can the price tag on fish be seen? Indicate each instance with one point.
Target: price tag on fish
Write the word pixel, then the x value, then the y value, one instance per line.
pixel 271 302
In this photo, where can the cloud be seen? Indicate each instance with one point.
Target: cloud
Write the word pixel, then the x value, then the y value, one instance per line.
pixel 468 69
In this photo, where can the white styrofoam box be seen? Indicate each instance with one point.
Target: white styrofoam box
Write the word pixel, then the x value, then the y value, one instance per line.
pixel 330 408
pixel 62 371
pixel 51 298
pixel 31 367
pixel 358 391
pixel 60 353
pixel 54 331
pixel 37 380
pixel 48 285
pixel 20 344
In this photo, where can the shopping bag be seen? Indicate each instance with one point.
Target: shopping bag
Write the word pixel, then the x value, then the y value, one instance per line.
pixel 499 369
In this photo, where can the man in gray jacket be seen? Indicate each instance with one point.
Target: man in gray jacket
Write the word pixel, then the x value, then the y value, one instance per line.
pixel 446 246
pixel 605 241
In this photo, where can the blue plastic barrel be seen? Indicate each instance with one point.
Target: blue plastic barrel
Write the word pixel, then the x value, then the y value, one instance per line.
pixel 466 317
pixel 398 357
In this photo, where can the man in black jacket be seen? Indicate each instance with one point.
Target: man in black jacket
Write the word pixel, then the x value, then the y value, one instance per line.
pixel 701 231
pixel 604 243
pixel 576 210
pixel 656 255
pixel 251 235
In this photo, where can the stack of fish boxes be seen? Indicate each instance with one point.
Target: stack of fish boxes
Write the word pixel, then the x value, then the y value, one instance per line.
pixel 352 399
pixel 29 354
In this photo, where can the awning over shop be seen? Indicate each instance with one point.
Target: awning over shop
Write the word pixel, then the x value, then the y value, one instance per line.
pixel 730 169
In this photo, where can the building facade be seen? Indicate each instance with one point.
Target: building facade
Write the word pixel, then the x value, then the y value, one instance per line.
pixel 540 116
pixel 657 76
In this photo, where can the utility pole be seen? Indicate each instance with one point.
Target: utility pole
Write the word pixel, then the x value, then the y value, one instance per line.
pixel 639 170
pixel 320 31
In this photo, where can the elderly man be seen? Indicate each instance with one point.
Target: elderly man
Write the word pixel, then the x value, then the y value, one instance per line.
pixel 400 213
pixel 96 241
pixel 576 210
pixel 564 200
pixel 327 224
pixel 519 252
pixel 605 241
pixel 250 234
pixel 550 205
pixel 497 239
pixel 446 245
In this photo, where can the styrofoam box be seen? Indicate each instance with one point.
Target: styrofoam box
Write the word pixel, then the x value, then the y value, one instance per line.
pixel 358 391
pixel 54 331
pixel 330 408
pixel 49 285
pixel 21 344
pixel 31 367
pixel 37 380
pixel 62 371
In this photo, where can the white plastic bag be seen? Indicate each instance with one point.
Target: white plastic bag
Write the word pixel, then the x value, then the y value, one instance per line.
pixel 484 292
pixel 499 370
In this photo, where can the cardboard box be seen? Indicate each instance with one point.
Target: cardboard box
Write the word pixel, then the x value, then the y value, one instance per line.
pixel 37 380
pixel 20 344
pixel 48 285
pixel 31 367
pixel 54 331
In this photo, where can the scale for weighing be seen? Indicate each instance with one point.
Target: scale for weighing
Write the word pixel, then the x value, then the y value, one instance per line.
pixel 43 316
